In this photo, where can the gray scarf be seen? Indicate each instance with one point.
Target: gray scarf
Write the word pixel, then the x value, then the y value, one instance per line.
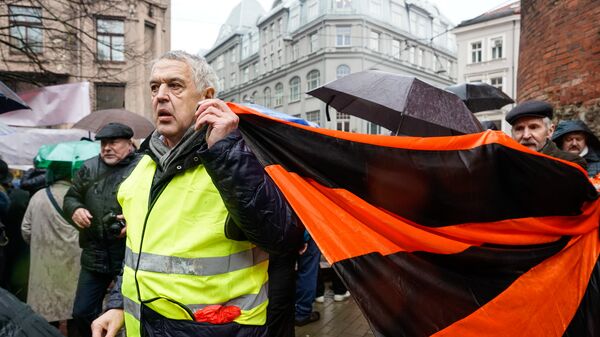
pixel 167 156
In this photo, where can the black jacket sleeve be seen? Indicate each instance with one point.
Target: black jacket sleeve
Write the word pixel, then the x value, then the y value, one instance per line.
pixel 75 196
pixel 254 203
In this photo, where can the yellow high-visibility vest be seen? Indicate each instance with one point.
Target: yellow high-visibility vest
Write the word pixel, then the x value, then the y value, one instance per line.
pixel 185 256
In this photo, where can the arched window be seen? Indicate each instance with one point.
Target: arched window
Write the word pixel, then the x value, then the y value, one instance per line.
pixel 245 99
pixel 341 71
pixel 253 97
pixel 312 80
pixel 267 94
pixel 295 89
pixel 278 94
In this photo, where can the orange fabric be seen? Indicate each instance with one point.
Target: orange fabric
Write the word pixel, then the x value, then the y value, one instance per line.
pixel 336 215
pixel 452 143
pixel 531 306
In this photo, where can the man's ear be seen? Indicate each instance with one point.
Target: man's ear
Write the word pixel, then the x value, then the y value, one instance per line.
pixel 209 93
pixel 551 130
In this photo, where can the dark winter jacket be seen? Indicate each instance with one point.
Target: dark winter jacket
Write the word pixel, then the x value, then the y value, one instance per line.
pixel 95 188
pixel 593 156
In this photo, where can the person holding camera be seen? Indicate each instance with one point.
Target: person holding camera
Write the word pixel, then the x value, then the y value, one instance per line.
pixel 91 204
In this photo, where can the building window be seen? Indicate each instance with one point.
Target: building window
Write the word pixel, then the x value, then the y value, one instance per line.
pixel 496 48
pixel 111 39
pixel 110 96
pixel 245 46
pixel 219 63
pixel 279 26
pixel 374 40
pixel 314 42
pixel 233 80
pixel 253 97
pixel 278 94
pixel 420 57
pixel 343 4
pixel 295 51
pixel 268 99
pixel 314 116
pixel 294 17
pixel 295 89
pixel 375 8
pixel 396 49
pixel 342 121
pixel 313 9
pixel 496 82
pixel 245 99
pixel 396 14
pixel 254 42
pixel 313 80
pixel 246 74
pixel 374 129
pixel 342 36
pixel 233 56
pixel 26 29
pixel 222 84
pixel 476 52
pixel 341 71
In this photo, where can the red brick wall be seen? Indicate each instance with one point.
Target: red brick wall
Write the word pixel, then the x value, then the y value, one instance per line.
pixel 559 59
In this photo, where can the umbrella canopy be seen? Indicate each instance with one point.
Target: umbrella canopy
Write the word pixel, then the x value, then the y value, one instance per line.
pixel 68 154
pixel 480 96
pixel 405 105
pixel 5 129
pixel 10 101
pixel 93 122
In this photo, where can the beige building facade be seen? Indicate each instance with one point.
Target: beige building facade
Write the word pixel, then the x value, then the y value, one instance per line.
pixel 274 57
pixel 488 51
pixel 107 43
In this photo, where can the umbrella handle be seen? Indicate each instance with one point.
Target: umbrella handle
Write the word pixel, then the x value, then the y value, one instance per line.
pixel 327 108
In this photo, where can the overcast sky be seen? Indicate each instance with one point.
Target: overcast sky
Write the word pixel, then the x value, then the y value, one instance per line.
pixel 195 24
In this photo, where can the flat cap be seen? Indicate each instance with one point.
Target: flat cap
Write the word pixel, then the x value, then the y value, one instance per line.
pixel 114 130
pixel 528 109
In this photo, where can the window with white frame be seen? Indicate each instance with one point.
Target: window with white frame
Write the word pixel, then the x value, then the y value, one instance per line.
pixel 233 55
pixel 343 4
pixel 245 74
pixel 233 80
pixel 313 9
pixel 375 8
pixel 396 13
pixel 313 116
pixel 278 94
pixel 279 26
pixel 220 62
pixel 254 96
pixel 313 80
pixel 254 42
pixel 245 46
pixel 295 51
pixel 342 36
pixel 110 34
pixel 295 89
pixel 268 99
pixel 222 84
pixel 341 71
pixel 26 28
pixel 496 48
pixel 374 40
pixel 396 49
pixel 496 82
pixel 294 17
pixel 342 121
pixel 476 52
pixel 314 42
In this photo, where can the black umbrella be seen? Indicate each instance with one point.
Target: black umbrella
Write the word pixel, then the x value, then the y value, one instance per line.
pixel 480 96
pixel 10 101
pixel 404 105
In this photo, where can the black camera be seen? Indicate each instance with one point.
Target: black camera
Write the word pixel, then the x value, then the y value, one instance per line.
pixel 112 224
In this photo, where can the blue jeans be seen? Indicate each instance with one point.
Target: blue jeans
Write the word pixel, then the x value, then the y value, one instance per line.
pixel 91 289
pixel 306 281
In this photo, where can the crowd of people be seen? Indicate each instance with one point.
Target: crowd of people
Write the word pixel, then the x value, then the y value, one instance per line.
pixel 187 233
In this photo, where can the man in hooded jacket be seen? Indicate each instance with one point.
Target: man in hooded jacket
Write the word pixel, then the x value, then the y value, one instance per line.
pixel 576 137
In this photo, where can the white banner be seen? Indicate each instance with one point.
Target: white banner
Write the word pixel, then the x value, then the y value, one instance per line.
pixel 57 104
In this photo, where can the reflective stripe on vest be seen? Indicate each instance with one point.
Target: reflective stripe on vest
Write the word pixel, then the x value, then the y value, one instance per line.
pixel 206 266
pixel 246 302
pixel 185 255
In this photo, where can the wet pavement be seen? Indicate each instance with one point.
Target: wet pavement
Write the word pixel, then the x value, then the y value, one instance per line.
pixel 338 319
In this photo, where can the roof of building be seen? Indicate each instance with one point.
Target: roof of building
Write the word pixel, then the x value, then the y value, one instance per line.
pixel 241 18
pixel 500 12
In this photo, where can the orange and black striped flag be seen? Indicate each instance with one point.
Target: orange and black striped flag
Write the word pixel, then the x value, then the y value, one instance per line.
pixel 470 235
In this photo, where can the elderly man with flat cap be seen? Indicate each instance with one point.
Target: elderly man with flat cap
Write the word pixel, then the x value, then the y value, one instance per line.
pixel 91 204
pixel 532 127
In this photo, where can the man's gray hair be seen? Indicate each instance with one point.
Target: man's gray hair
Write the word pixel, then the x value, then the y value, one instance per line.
pixel 203 73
